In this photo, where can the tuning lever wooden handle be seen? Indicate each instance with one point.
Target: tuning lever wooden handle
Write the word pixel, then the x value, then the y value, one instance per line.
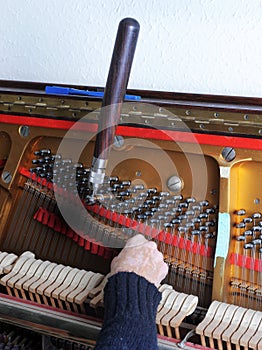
pixel 115 90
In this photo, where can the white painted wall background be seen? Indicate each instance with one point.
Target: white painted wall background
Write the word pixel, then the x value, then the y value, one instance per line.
pixel 202 46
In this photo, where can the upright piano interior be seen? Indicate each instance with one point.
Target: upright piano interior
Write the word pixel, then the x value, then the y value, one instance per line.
pixel 184 174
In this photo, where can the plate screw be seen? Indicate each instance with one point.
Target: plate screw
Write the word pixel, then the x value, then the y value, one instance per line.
pixel 119 141
pixel 175 184
pixel 6 177
pixel 24 131
pixel 228 154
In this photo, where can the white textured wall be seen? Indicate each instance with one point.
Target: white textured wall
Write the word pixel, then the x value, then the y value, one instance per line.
pixel 208 46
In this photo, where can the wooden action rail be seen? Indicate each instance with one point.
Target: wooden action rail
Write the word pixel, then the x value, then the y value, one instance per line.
pixel 73 289
pixel 231 325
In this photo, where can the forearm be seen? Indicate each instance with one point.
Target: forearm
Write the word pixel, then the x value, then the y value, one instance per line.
pixel 130 311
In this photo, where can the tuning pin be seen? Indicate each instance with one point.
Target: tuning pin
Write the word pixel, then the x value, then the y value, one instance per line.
pixel 151 191
pixel 137 188
pixel 183 205
pixel 256 216
pixel 177 210
pixel 209 235
pixel 204 203
pixel 249 246
pixel 247 220
pixel 240 225
pixel 210 223
pixel 189 225
pixel 203 216
pixel 176 221
pixel 240 212
pixel 210 211
pixel 249 234
pixel 257 242
pixel 240 238
pixel 195 232
pixel 178 198
pixel 203 228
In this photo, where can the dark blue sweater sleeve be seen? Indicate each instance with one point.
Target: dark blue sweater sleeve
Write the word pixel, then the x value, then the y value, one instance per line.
pixel 130 303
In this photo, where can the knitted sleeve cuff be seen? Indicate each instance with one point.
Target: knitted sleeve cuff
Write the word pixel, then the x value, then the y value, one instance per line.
pixel 130 303
pixel 130 295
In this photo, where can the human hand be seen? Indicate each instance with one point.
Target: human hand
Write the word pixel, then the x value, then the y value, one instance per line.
pixel 143 258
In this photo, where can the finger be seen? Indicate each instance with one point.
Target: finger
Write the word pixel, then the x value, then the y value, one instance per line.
pixel 164 270
pixel 158 254
pixel 135 241
pixel 151 245
pixel 162 273
pixel 114 262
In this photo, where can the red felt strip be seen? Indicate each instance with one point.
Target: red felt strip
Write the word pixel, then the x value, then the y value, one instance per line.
pixel 246 262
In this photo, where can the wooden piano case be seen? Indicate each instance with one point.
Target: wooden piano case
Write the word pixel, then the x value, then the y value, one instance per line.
pixel 184 171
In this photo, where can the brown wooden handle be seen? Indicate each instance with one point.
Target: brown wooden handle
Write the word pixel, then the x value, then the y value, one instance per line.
pixel 116 85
